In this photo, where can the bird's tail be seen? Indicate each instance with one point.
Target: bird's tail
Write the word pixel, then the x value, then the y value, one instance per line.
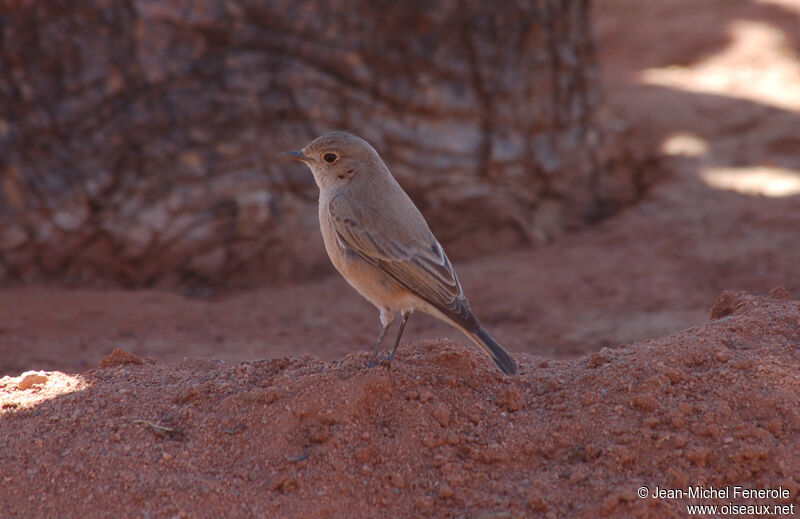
pixel 499 355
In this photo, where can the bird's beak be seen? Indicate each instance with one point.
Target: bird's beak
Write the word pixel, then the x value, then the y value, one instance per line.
pixel 296 155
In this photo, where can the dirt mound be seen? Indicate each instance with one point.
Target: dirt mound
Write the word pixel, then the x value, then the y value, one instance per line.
pixel 438 433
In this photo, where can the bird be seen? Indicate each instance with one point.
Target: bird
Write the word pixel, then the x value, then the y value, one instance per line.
pixel 381 244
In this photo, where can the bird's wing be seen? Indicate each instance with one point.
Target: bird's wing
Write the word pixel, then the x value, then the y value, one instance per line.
pixel 409 254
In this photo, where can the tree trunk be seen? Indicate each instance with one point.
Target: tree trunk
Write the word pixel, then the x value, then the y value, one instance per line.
pixel 138 139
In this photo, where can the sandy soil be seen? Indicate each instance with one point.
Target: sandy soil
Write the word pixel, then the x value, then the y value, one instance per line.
pixel 715 85
pixel 439 433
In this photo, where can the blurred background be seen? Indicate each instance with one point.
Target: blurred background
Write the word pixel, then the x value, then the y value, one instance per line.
pixel 140 138
pixel 598 171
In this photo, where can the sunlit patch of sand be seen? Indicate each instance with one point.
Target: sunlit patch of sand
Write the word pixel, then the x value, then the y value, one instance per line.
pixel 684 144
pixel 759 65
pixel 759 180
pixel 34 387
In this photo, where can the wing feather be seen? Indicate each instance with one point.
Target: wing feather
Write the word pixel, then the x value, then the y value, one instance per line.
pixel 412 258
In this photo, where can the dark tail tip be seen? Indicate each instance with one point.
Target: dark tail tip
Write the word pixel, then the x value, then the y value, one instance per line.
pixel 499 355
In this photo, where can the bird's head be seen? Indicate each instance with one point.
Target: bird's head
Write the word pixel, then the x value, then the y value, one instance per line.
pixel 338 158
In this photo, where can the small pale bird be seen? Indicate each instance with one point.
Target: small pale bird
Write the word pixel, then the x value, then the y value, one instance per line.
pixel 379 241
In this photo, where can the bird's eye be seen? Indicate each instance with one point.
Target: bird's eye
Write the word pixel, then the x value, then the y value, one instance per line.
pixel 330 158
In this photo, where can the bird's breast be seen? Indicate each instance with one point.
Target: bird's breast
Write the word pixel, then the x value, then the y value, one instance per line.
pixel 369 280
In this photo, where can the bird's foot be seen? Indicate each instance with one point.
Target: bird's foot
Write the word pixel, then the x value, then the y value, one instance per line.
pixel 380 361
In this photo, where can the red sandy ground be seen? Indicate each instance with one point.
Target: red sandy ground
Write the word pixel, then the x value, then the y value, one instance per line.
pixel 440 433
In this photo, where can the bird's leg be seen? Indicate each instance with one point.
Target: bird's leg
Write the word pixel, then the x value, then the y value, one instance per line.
pixel 387 317
pixel 404 314
pixel 378 345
